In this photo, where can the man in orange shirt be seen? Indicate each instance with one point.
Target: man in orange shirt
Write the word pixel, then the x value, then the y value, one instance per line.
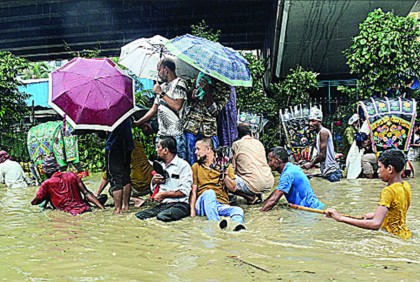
pixel 209 195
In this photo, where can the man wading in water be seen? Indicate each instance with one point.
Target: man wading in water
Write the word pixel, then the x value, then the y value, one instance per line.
pixel 64 190
pixel 330 169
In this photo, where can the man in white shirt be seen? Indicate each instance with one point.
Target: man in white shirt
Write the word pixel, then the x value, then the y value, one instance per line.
pixel 174 187
pixel 170 101
pixel 11 173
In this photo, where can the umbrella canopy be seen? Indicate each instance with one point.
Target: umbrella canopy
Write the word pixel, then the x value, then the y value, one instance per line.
pixel 142 55
pixel 92 94
pixel 212 58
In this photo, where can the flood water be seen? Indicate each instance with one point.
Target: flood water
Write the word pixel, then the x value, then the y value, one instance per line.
pixel 283 244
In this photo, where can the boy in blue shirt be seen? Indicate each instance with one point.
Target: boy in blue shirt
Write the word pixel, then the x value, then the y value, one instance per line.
pixel 293 183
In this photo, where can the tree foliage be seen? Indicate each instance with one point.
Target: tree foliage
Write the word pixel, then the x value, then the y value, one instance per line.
pixel 384 53
pixel 12 106
pixel 254 99
pixel 85 53
pixel 202 30
pixel 36 70
pixel 295 88
pixel 12 102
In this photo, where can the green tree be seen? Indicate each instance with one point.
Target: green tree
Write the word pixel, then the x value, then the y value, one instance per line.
pixel 254 99
pixel 12 105
pixel 85 53
pixel 12 102
pixel 384 52
pixel 36 70
pixel 202 30
pixel 295 88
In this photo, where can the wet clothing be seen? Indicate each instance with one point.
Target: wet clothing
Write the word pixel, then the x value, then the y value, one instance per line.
pixel 166 212
pixel 329 165
pixel 62 189
pixel 212 198
pixel 171 121
pixel 118 148
pixel 11 173
pixel 227 129
pixel 208 205
pixel 209 179
pixel 397 198
pixel 250 163
pixel 141 170
pixel 121 136
pixel 241 186
pixel 179 178
pixel 297 188
pixel 118 168
pixel 334 176
pixel 369 163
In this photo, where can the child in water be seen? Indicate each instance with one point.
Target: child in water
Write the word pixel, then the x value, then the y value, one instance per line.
pixel 394 201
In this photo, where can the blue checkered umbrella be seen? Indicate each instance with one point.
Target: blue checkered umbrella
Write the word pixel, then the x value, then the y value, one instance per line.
pixel 212 58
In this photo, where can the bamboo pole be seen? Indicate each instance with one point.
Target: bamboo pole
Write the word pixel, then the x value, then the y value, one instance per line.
pixel 319 211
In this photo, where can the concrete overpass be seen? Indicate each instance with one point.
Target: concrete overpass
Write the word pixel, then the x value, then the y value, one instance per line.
pixel 311 33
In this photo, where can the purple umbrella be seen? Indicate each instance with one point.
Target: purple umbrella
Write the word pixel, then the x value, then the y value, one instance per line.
pixel 92 94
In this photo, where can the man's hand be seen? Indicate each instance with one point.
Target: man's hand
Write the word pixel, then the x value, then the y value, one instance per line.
pixel 158 179
pixel 146 128
pixel 159 197
pixel 230 183
pixel 193 93
pixel 36 201
pixel 332 213
pixel 91 198
pixel 157 89
pixel 307 165
pixel 139 122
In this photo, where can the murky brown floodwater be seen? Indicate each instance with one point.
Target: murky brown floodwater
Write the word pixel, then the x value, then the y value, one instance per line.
pixel 283 244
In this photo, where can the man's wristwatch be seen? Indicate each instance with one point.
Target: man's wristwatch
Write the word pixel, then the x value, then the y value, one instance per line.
pixel 162 94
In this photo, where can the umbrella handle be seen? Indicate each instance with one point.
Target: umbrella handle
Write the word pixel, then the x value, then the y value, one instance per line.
pixel 64 130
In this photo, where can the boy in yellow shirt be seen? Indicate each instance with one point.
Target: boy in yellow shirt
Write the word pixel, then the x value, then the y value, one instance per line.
pixel 394 201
